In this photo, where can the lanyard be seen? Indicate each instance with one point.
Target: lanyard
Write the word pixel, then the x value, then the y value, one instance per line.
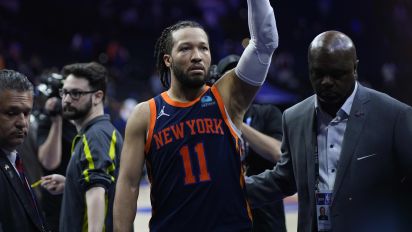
pixel 316 149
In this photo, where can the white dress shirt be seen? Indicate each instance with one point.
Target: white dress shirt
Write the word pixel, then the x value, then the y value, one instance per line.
pixel 330 134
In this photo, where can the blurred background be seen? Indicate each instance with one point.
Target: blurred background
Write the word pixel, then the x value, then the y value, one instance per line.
pixel 39 37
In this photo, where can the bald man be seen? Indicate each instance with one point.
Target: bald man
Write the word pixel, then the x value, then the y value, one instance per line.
pixel 345 149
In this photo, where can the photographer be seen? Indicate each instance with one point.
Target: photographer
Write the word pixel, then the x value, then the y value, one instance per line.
pixel 54 137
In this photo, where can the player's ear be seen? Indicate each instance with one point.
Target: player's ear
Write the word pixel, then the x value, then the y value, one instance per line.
pixel 168 60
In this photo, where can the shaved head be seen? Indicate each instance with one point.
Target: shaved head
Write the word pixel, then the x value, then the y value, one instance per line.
pixel 333 66
pixel 331 42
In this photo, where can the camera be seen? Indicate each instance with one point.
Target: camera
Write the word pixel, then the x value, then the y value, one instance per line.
pixel 49 87
pixel 216 71
pixel 214 74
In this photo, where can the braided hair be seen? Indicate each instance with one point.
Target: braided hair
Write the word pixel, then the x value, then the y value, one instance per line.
pixel 164 46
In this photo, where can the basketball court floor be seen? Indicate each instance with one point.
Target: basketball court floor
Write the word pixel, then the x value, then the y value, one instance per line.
pixel 144 210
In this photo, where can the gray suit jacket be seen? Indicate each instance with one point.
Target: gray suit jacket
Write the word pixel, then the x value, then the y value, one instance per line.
pixel 373 181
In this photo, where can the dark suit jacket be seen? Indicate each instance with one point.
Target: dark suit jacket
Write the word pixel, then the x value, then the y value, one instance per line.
pixel 372 187
pixel 17 212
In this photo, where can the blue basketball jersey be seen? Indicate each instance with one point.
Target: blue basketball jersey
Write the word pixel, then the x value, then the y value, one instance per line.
pixel 193 162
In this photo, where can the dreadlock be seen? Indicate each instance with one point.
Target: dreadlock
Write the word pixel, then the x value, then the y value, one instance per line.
pixel 164 46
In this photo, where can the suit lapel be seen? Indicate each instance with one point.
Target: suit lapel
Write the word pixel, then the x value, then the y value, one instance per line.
pixel 308 124
pixel 353 130
pixel 14 179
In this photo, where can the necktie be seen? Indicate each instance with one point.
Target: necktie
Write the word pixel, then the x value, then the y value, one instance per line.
pixel 20 170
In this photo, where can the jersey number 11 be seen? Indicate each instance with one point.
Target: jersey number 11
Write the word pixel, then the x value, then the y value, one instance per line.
pixel 187 164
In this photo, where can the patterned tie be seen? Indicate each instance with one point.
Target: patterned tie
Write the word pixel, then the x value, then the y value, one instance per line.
pixel 20 169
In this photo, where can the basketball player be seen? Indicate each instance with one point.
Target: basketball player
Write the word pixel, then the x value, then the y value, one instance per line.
pixel 189 135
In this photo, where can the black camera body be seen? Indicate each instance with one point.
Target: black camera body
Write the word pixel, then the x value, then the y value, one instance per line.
pixel 49 87
pixel 216 71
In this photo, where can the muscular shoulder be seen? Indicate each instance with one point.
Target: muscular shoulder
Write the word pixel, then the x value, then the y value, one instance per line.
pixel 139 118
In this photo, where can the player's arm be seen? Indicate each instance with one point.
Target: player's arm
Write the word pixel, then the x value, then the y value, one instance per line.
pixel 131 165
pixel 95 201
pixel 238 87
pixel 264 145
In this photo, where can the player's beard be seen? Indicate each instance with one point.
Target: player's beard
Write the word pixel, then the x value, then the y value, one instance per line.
pixel 193 82
pixel 73 113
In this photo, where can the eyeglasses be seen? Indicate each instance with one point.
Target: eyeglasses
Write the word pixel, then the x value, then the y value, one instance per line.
pixel 74 94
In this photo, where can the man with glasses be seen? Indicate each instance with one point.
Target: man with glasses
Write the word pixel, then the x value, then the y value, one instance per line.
pixel 90 178
pixel 54 140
